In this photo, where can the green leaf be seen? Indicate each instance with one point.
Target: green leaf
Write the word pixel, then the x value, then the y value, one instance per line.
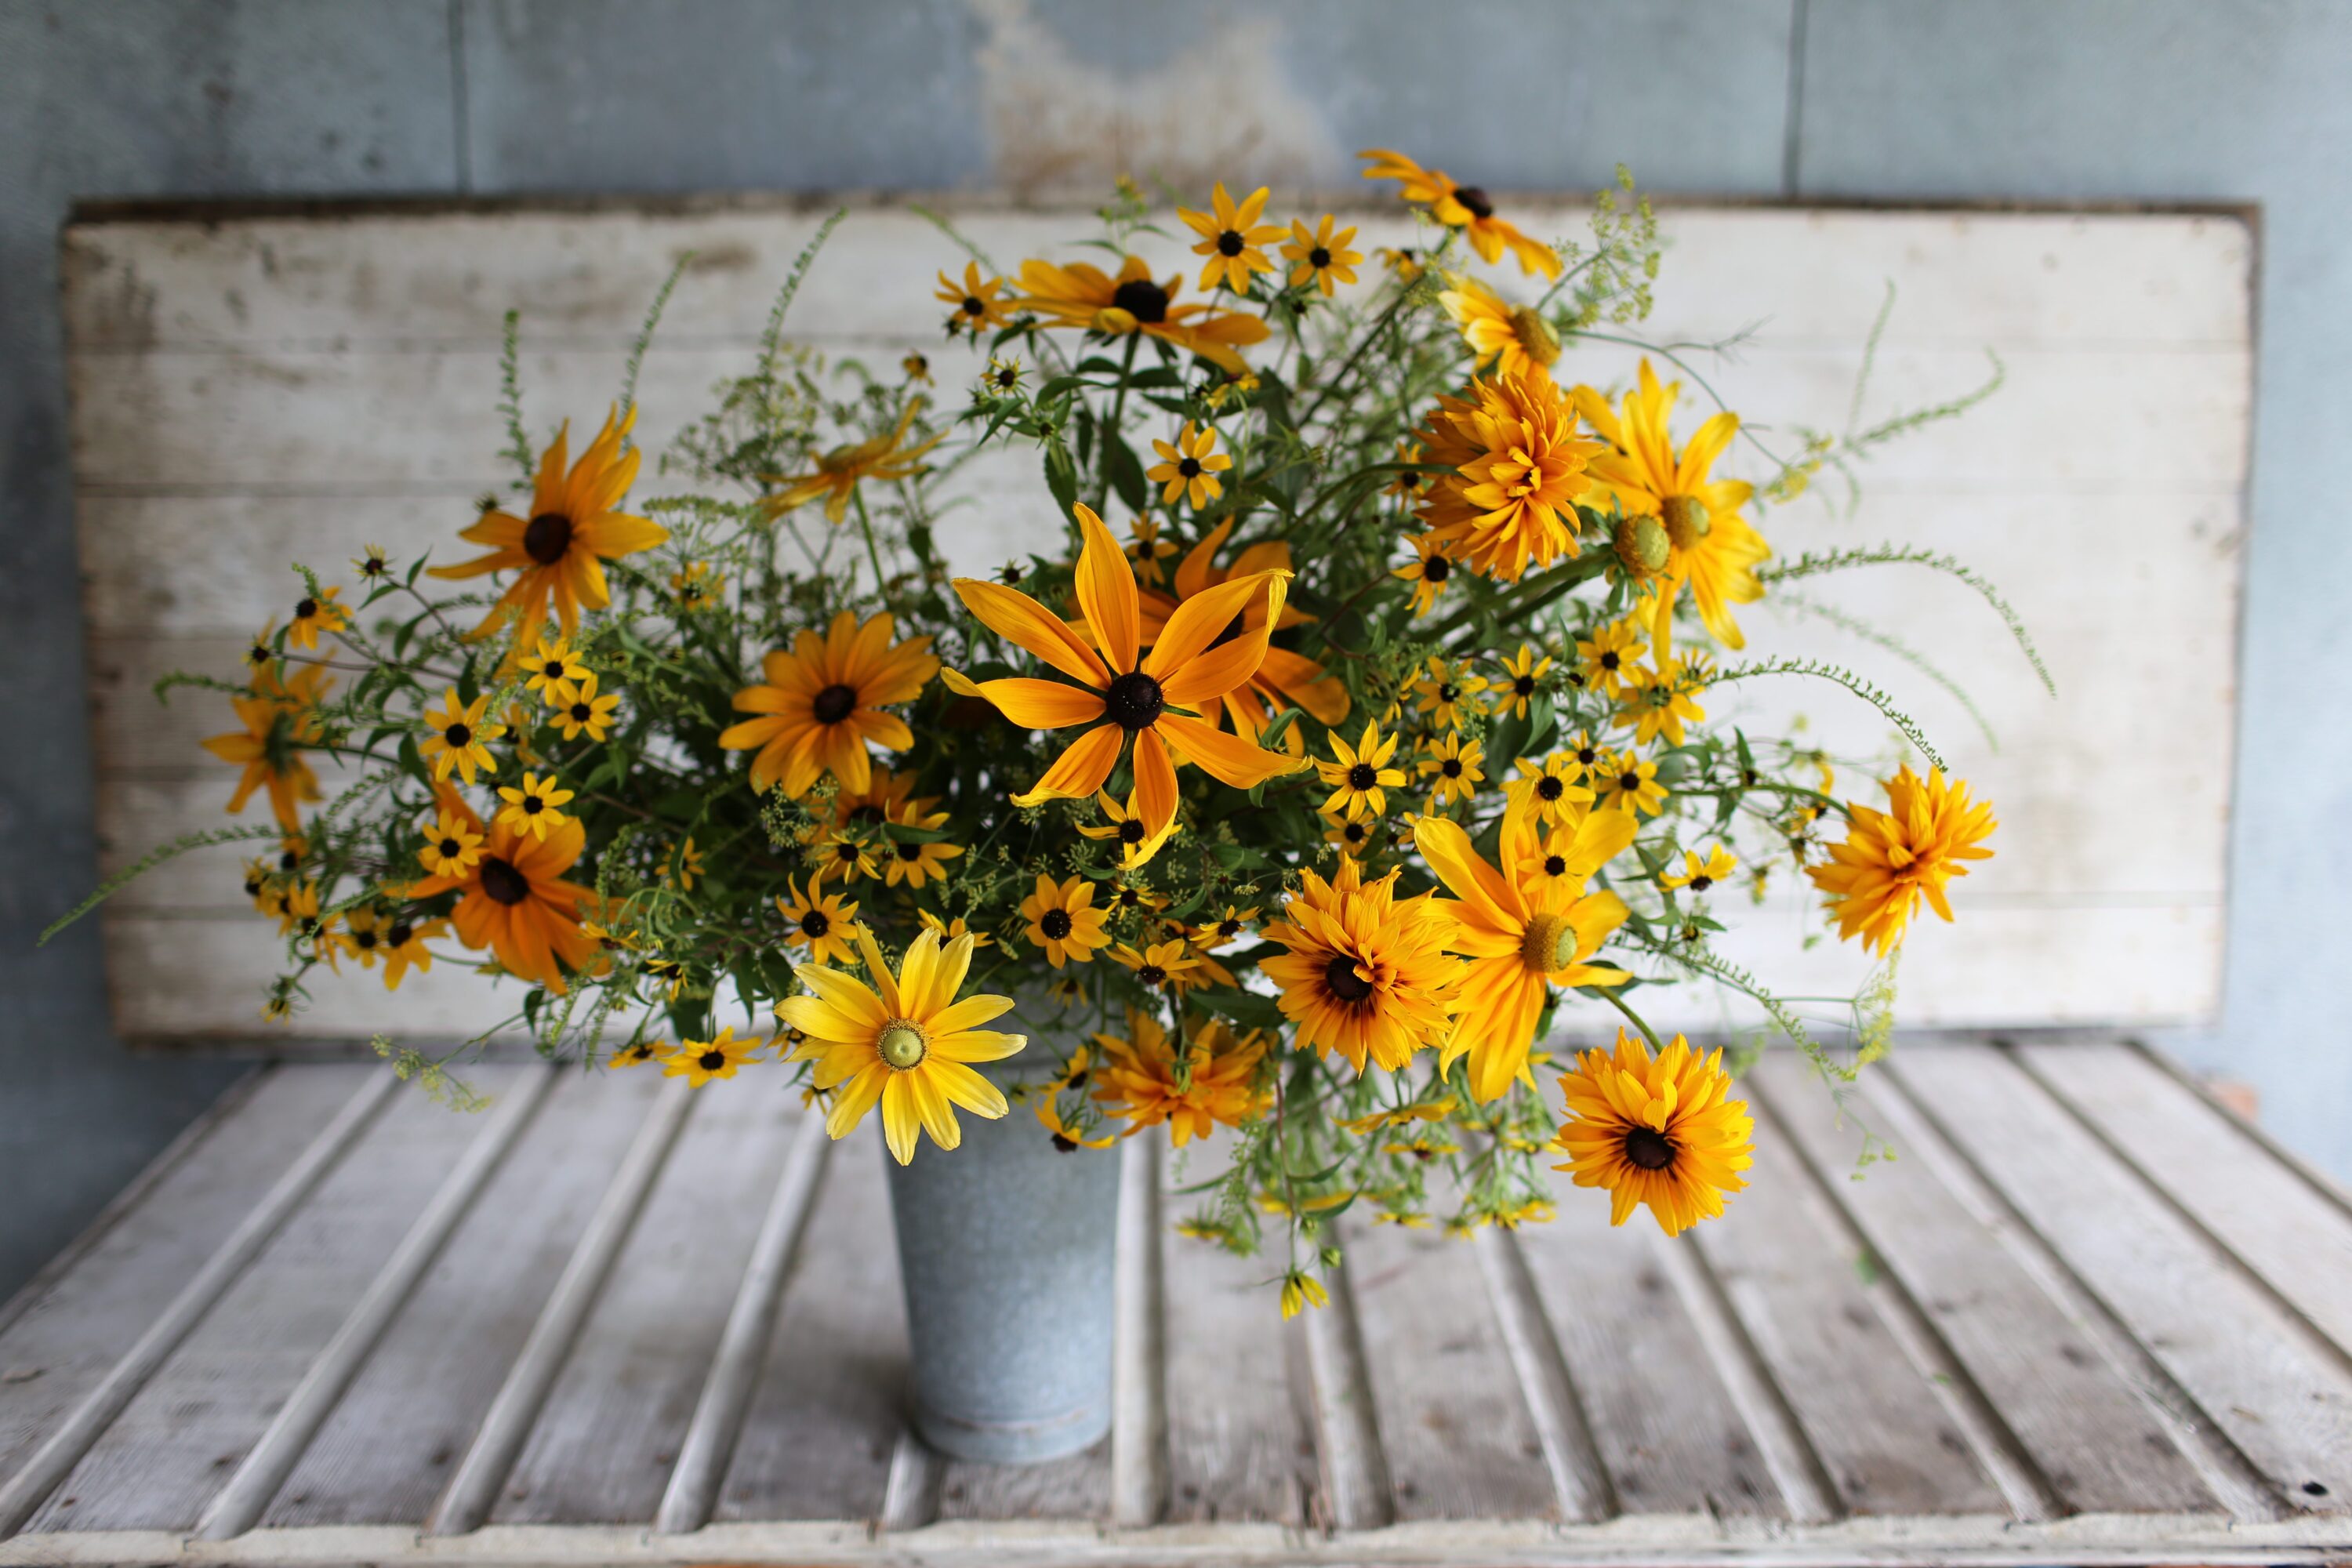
pixel 1062 478
pixel 1126 470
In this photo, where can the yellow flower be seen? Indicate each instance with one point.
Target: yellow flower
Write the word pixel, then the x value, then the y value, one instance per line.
pixel 453 848
pixel 1159 966
pixel 1126 698
pixel 1188 468
pixel 1465 207
pixel 404 949
pixel 1519 467
pixel 1137 843
pixel 1549 789
pixel 916 368
pixel 559 550
pixel 1140 1080
pixel 1403 260
pixel 1404 1115
pixel 1513 697
pixel 460 739
pixel 947 931
pixel 915 863
pixel 906 1049
pixel 1360 776
pixel 821 921
pixel 1320 257
pixel 1701 872
pixel 1211 935
pixel 1229 238
pixel 637 1053
pixel 280 718
pixel 1063 921
pixel 838 853
pixel 532 807
pixel 362 936
pixel 1659 1132
pixel 371 562
pixel 1283 677
pixel 554 670
pixel 1439 696
pixel 514 901
pixel 1711 547
pixel 1068 1131
pixel 1626 783
pixel 1300 1291
pixel 313 615
pixel 1893 858
pixel 1364 975
pixel 977 308
pixel 1148 550
pixel 687 867
pixel 1661 701
pixel 839 471
pixel 1519 939
pixel 586 712
pixel 700 1061
pixel 1452 769
pixel 1355 836
pixel 1429 570
pixel 1609 657
pixel 1082 296
pixel 821 704
pixel 1517 336
pixel 1564 858
pixel 698 588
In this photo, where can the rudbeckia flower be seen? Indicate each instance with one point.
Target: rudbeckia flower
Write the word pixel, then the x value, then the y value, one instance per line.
pixel 514 901
pixel 1517 337
pixel 1893 858
pixel 1466 207
pixel 1657 1132
pixel 1231 236
pixel 1320 257
pixel 279 717
pixel 839 472
pixel 573 528
pixel 1283 679
pixel 822 704
pixel 1366 974
pixel 1519 467
pixel 1138 1079
pixel 1188 468
pixel 1125 696
pixel 1084 295
pixel 977 308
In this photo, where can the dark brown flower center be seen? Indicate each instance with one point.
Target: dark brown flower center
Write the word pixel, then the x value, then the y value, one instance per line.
pixel 1229 929
pixel 1134 702
pixel 1628 782
pixel 582 712
pixel 1437 569
pixel 503 882
pixel 1151 974
pixel 1701 883
pixel 1340 979
pixel 547 537
pixel 1549 787
pixel 1318 258
pixel 553 669
pixel 1190 468
pixel 449 848
pixel 1449 692
pixel 1451 767
pixel 1130 831
pixel 306 609
pixel 1055 924
pixel 1525 686
pixel 1608 660
pixel 1474 197
pixel 1362 776
pixel 835 703
pixel 1587 755
pixel 711 1061
pixel 815 923
pixel 910 851
pixel 972 306
pixel 1231 243
pixel 1555 865
pixel 398 935
pixel 458 735
pixel 1142 297
pixel 364 940
pixel 1649 1148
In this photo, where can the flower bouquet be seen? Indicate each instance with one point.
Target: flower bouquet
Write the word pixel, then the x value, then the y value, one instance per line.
pixel 1353 743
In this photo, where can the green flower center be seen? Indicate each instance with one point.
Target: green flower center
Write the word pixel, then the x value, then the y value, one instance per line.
pixel 901 1045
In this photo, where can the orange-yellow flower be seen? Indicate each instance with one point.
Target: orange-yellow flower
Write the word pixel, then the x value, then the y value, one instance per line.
pixel 1084 295
pixel 822 704
pixel 1283 679
pixel 1231 236
pixel 515 902
pixel 1188 468
pixel 1893 858
pixel 1365 975
pixel 1519 467
pixel 279 717
pixel 1517 337
pixel 1465 207
pixel 1320 257
pixel 839 471
pixel 977 308
pixel 1660 1133
pixel 1138 1079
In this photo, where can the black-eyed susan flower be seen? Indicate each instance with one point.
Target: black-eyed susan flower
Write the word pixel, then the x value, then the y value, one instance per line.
pixel 1451 768
pixel 1562 858
pixel 1002 376
pixel 1148 550
pixel 533 807
pixel 1354 836
pixel 821 923
pixel 1658 1132
pixel 1145 697
pixel 514 902
pixel 281 718
pixel 916 368
pixel 1438 696
pixel 586 714
pixel 975 307
pixel 1429 570
pixel 553 670
pixel 1517 338
pixel 841 470
pixel 846 856
pixel 1137 843
pixel 1320 257
pixel 1365 973
pixel 1712 549
pixel 1519 939
pixel 1188 468
pixel 1701 872
pixel 1466 207
pixel 1523 677
pixel 706 1062
pixel 1610 658
pixel 361 937
pixel 1209 1080
pixel 1401 1116
pixel 685 866
pixel 1064 1109
pixel 1892 859
pixel 698 586
pixel 1662 703
pixel 1227 928
pixel 1519 466
pixel 314 614
pixel 821 704
pixel 1063 923
pixel 916 864
pixel 905 1045
pixel 371 563
pixel 573 528
pixel 637 1053
pixel 1361 775
pixel 453 847
pixel 1405 261
pixel 1548 788
pixel 947 931
pixel 403 947
pixel 1283 677
pixel 1626 783
pixel 1082 296
pixel 1231 237
pixel 1163 966
pixel 1301 1291
pixel 459 738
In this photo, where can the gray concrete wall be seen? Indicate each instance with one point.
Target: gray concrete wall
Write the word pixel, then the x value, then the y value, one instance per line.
pixel 2059 100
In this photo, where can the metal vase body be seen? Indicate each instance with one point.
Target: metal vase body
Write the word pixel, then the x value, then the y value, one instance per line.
pixel 1007 1251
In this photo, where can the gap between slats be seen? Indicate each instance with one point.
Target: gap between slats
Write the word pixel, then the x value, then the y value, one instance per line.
pixel 1578 1476
pixel 1356 1481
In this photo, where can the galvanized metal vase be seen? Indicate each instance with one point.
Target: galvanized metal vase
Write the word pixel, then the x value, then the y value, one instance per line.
pixel 1006 1248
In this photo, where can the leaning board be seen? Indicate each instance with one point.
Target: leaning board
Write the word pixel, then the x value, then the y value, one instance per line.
pixel 251 390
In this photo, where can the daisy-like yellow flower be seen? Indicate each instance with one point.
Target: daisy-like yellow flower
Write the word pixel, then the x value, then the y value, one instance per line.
pixel 698 588
pixel 1147 549
pixel 1712 549
pixel 1163 966
pixel 1562 859
pixel 947 931
pixel 280 717
pixel 1084 295
pixel 1438 696
pixel 1319 256
pixel 1429 570
pixel 1661 703
pixel 840 470
pixel 1519 939
pixel 585 712
pixel 1301 1291
pixel 1403 260
pixel 976 307
pixel 453 847
pixel 1519 466
pixel 916 368
pixel 553 670
pixel 1626 783
pixel 822 704
pixel 1661 1132
pixel 362 936
pixel 703 1061
pixel 1231 236
pixel 1517 337
pixel 1063 921
pixel 1549 789
pixel 1524 675
pixel 637 1053
pixel 1361 775
pixel 1366 974
pixel 916 864
pixel 1211 935
pixel 1893 858
pixel 1143 1078
pixel 1126 697
pixel 1465 207
pixel 1451 768
pixel 404 949
pixel 905 1045
pixel 1701 872
pixel 371 563
pixel 685 867
pixel 515 902
pixel 838 853
pixel 820 922
pixel 460 739
pixel 1190 468
pixel 1283 677
pixel 1355 836
pixel 532 807
pixel 1609 660
pixel 1137 843
pixel 559 550
pixel 1062 1107
pixel 314 614
pixel 1404 1115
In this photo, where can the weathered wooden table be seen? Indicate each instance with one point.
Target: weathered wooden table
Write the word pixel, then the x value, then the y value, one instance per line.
pixel 2086 1317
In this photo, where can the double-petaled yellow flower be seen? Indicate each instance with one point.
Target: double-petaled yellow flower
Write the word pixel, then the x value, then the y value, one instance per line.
pixel 1892 859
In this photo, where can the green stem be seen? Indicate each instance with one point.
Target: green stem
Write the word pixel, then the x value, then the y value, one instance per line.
pixel 873 551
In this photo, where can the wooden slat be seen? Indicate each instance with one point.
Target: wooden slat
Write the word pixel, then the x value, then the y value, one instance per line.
pixel 1579 1479
pixel 2193 1307
pixel 2086 1430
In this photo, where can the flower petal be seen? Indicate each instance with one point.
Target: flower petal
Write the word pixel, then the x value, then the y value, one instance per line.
pixel 1018 618
pixel 1081 768
pixel 1107 595
pixel 1227 758
pixel 1042 704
